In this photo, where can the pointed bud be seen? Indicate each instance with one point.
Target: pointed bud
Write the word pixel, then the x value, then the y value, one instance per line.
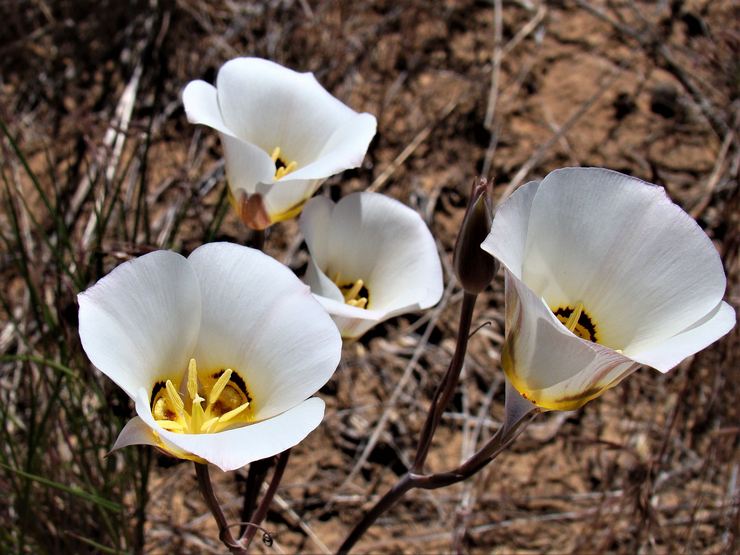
pixel 474 267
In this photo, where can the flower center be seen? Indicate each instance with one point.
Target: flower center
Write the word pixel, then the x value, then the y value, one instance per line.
pixel 227 403
pixel 577 320
pixel 355 293
pixel 282 166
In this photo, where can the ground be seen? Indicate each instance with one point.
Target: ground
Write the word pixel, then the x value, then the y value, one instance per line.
pixel 505 89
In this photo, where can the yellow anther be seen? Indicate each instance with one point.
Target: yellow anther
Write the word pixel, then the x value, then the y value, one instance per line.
pixel 359 303
pixel 232 413
pixel 199 415
pixel 171 425
pixel 282 168
pixel 285 170
pixel 192 379
pixel 174 397
pixel 218 387
pixel 353 292
pixel 209 424
pixel 574 316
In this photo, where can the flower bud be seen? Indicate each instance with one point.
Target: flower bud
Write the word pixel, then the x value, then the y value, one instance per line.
pixel 473 266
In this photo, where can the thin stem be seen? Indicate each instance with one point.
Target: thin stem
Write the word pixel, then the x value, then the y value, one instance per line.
pixel 206 488
pixel 255 477
pixel 502 439
pixel 518 413
pixel 385 503
pixel 277 476
pixel 447 386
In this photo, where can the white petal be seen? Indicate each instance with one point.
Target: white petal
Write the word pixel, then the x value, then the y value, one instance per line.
pixel 201 106
pixel 286 195
pixel 378 239
pixel 549 365
pixel 135 432
pixel 235 448
pixel 262 322
pixel 315 224
pixel 345 149
pixel 508 236
pixel 140 322
pixel 322 286
pixel 642 267
pixel 706 331
pixel 352 321
pixel 246 165
pixel 269 105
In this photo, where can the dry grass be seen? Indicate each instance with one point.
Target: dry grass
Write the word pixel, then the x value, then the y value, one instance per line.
pixel 99 165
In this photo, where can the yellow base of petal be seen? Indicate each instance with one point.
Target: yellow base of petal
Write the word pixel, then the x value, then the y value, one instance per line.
pixel 542 400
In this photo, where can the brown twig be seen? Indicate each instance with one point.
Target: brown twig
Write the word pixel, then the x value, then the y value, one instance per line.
pixel 206 488
pixel 255 476
pixel 259 515
pixel 512 427
pixel 446 388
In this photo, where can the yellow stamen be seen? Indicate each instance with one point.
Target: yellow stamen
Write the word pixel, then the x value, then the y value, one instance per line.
pixel 282 167
pixel 283 171
pixel 352 293
pixel 355 293
pixel 218 388
pixel 192 379
pixel 574 316
pixel 171 425
pixel 578 321
pixel 210 424
pixel 174 397
pixel 226 400
pixel 359 303
pixel 232 413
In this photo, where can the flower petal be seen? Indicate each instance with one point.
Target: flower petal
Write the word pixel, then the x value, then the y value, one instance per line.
pixel 269 105
pixel 378 239
pixel 246 166
pixel 262 322
pixel 322 286
pixel 706 331
pixel 286 196
pixel 141 321
pixel 135 432
pixel 345 149
pixel 641 266
pixel 508 236
pixel 315 224
pixel 546 363
pixel 235 448
pixel 201 106
pixel 353 321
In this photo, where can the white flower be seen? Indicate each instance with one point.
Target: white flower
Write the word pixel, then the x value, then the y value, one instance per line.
pixel 372 258
pixel 603 274
pixel 219 351
pixel 282 134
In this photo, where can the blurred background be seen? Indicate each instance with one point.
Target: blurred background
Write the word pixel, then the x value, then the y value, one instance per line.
pixel 100 165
